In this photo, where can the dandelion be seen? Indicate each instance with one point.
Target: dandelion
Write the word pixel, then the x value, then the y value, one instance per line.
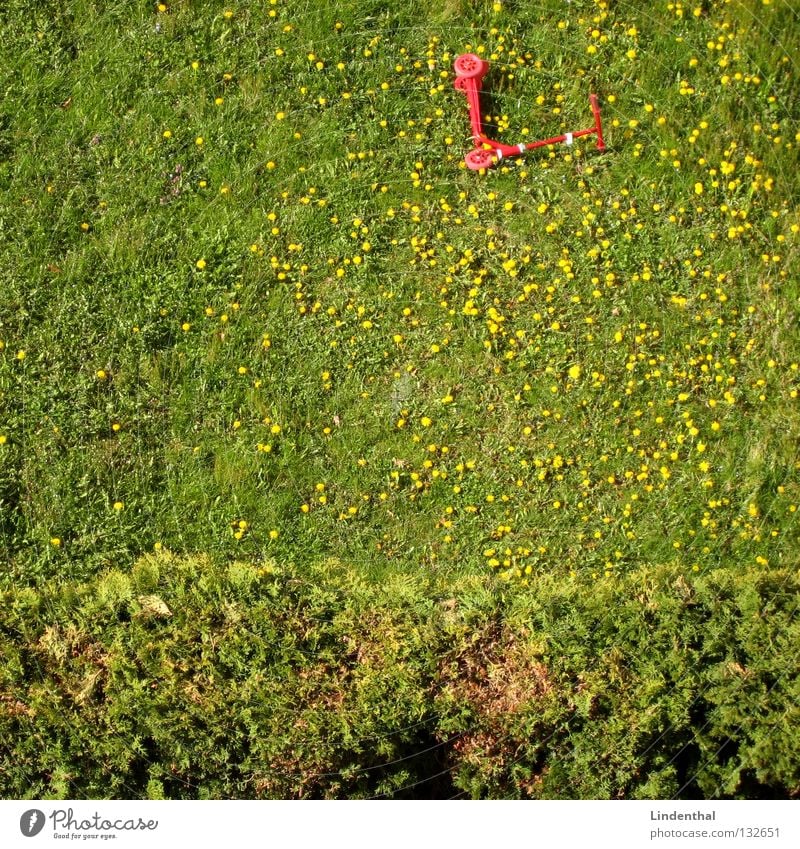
pixel 201 264
pixel 119 505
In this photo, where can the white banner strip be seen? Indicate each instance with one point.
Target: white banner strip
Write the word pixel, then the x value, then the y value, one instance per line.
pixel 367 825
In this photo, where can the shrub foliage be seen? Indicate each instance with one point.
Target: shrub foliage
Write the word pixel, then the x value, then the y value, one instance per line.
pixel 184 678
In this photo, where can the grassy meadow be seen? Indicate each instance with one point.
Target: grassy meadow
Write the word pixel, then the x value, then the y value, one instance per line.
pixel 329 467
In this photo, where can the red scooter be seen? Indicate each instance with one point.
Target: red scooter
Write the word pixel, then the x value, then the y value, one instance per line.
pixel 470 70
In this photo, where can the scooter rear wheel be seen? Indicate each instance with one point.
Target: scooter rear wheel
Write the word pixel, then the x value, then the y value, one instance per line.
pixel 469 65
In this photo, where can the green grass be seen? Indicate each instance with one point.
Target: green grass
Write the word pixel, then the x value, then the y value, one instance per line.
pixel 316 334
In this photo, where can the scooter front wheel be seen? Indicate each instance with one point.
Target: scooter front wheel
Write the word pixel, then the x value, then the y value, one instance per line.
pixel 479 159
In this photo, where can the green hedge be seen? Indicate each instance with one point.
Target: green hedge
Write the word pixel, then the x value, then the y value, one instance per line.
pixel 182 678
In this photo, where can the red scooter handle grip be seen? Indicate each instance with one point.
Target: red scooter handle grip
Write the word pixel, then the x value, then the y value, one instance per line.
pixel 598 124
